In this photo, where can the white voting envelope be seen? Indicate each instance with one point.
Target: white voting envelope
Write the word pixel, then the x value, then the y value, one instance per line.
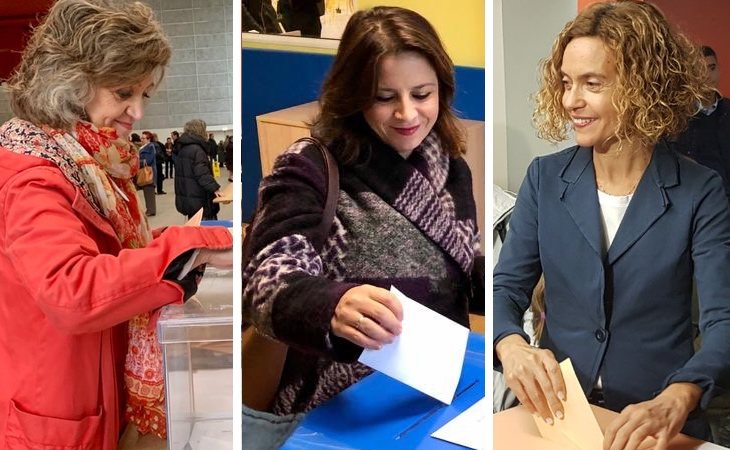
pixel 428 354
pixel 468 429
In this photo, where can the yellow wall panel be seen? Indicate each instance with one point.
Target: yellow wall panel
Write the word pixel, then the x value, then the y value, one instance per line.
pixel 460 25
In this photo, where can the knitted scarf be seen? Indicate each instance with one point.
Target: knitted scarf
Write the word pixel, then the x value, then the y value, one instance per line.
pixel 101 166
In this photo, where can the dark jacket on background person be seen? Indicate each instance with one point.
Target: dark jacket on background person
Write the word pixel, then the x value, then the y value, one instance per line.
pixel 707 141
pixel 229 155
pixel 302 15
pixel 212 148
pixel 260 16
pixel 195 186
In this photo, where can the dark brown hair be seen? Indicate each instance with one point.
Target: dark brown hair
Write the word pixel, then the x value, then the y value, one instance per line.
pixel 352 82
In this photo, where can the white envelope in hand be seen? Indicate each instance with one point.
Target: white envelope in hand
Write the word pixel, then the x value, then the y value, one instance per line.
pixel 428 354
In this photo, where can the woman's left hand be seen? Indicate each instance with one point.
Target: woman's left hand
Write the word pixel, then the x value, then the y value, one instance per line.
pixel 661 418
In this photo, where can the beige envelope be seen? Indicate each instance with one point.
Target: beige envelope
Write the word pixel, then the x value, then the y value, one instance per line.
pixel 579 428
pixel 227 194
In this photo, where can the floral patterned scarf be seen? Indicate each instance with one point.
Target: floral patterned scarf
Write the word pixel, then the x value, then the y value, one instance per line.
pixel 101 165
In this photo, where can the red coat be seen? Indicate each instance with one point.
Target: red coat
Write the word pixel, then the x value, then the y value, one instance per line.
pixel 66 292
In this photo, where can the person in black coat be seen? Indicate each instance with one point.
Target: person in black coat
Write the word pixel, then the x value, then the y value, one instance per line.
pixel 707 137
pixel 212 148
pixel 260 16
pixel 195 186
pixel 302 15
pixel 159 161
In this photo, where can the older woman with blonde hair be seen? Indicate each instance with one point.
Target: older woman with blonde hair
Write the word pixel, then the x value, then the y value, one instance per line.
pixel 195 186
pixel 619 226
pixel 81 270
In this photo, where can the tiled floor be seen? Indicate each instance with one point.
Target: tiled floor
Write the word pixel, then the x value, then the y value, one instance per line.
pixel 166 212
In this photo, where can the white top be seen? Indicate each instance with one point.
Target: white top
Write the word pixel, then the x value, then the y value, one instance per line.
pixel 613 209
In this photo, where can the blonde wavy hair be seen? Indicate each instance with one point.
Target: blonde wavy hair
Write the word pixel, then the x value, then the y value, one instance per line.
pixel 661 75
pixel 82 45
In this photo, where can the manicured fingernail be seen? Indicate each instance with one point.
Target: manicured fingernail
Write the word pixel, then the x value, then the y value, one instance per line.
pixel 561 396
pixel 559 414
pixel 549 420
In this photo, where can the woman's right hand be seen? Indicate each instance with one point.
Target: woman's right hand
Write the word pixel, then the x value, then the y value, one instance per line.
pixel 368 316
pixel 222 259
pixel 534 376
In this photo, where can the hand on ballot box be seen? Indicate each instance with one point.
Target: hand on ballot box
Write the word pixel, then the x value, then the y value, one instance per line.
pixel 647 425
pixel 534 376
pixel 657 420
pixel 222 259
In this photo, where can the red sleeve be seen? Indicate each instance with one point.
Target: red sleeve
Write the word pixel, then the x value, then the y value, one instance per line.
pixel 67 263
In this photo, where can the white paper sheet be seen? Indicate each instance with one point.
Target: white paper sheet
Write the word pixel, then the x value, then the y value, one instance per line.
pixel 710 446
pixel 468 429
pixel 427 355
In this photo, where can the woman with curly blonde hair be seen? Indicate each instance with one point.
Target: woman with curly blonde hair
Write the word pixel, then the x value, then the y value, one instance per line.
pixel 81 272
pixel 619 226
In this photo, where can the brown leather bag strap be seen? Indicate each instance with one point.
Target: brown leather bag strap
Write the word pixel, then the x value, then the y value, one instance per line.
pixel 263 359
pixel 333 189
pixel 330 206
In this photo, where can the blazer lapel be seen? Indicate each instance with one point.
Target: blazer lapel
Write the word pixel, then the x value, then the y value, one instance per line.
pixel 649 203
pixel 580 198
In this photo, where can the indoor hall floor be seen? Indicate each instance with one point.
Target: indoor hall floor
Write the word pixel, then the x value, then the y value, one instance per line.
pixel 166 212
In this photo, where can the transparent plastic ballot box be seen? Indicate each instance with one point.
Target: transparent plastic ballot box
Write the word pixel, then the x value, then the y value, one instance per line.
pixel 197 345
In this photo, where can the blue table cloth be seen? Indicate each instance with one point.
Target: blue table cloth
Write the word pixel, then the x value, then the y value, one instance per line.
pixel 381 413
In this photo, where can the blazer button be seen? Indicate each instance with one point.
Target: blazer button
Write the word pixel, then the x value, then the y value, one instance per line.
pixel 600 335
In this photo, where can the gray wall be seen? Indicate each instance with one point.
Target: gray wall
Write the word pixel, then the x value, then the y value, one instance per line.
pixel 5 113
pixel 198 83
pixel 528 30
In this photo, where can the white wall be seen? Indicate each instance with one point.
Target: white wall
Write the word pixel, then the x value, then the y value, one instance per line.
pixel 524 33
pixel 499 136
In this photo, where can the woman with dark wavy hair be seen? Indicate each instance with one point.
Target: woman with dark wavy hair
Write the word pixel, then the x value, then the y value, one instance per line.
pixel 619 226
pixel 405 213
pixel 81 272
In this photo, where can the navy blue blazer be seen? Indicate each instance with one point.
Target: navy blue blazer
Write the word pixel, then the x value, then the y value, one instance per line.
pixel 624 313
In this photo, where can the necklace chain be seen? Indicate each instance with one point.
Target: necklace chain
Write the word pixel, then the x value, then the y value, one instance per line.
pixel 602 187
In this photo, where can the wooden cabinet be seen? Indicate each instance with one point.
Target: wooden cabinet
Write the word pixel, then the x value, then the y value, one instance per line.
pixel 475 159
pixel 278 129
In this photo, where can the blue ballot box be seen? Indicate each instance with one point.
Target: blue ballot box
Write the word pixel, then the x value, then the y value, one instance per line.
pixel 217 223
pixel 381 413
